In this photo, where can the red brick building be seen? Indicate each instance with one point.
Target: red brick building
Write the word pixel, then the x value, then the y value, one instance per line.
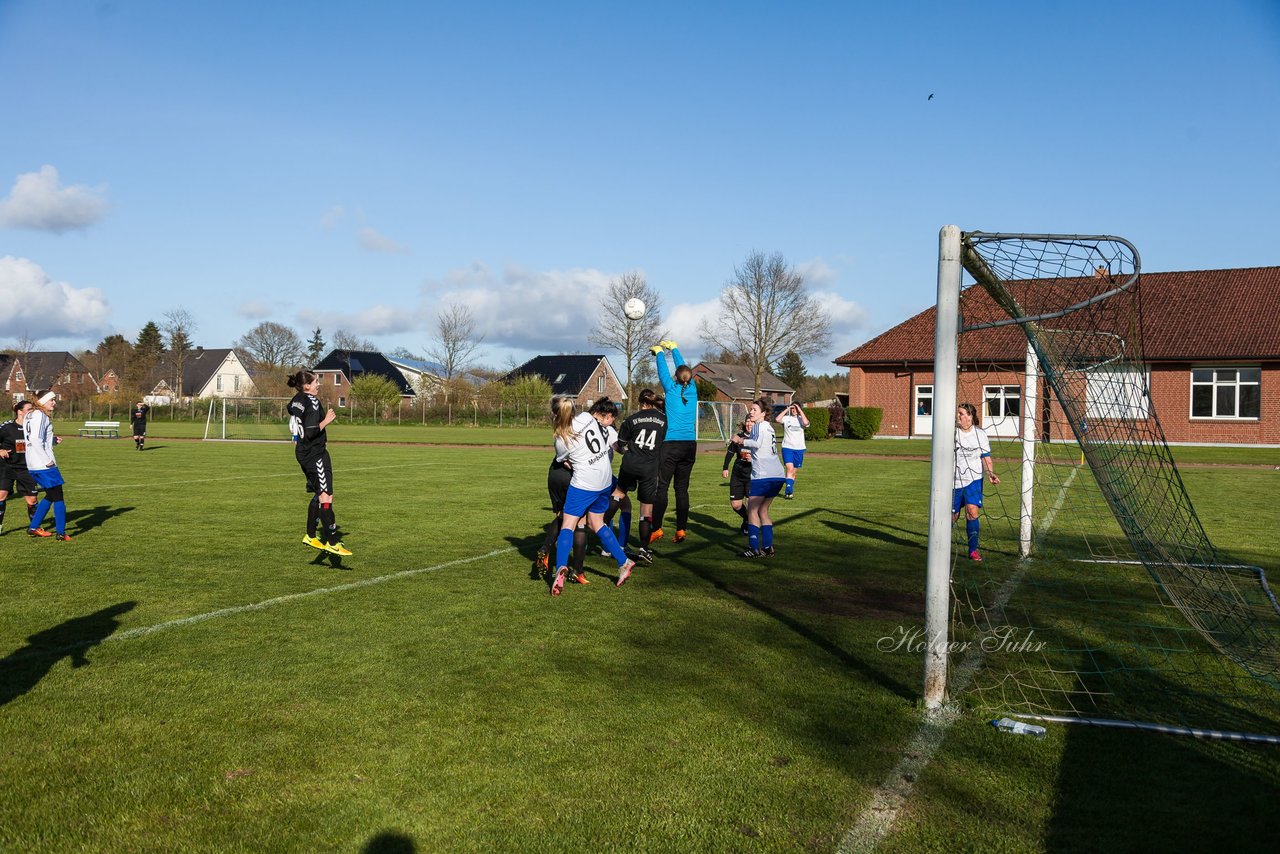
pixel 1211 344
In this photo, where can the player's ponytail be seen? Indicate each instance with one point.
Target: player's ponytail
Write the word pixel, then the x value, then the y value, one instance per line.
pixel 562 417
pixel 648 398
pixel 301 378
pixel 972 410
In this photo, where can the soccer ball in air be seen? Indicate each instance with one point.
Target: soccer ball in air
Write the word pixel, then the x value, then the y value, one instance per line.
pixel 634 309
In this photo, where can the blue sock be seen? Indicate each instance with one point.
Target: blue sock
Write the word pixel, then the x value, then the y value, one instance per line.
pixel 3 501
pixel 60 516
pixel 791 485
pixel 624 529
pixel 766 536
pixel 753 537
pixel 971 528
pixel 564 547
pixel 41 509
pixel 610 542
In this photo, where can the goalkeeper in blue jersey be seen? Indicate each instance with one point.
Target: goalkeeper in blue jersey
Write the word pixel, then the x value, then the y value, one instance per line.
pixel 680 449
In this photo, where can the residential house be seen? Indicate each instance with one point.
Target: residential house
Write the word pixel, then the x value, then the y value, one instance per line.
pixel 59 371
pixel 206 373
pixel 1211 344
pixel 584 378
pixel 340 367
pixel 12 379
pixel 736 383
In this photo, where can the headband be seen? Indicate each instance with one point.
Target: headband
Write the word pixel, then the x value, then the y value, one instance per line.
pixel 48 396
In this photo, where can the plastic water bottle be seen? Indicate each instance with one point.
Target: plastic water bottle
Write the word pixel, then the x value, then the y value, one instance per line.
pixel 1018 727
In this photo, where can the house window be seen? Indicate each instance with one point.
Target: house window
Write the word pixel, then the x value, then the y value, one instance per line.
pixel 342 402
pixel 235 383
pixel 1226 392
pixel 1002 401
pixel 1117 394
pixel 219 382
pixel 924 400
pixel 559 379
pixel 600 383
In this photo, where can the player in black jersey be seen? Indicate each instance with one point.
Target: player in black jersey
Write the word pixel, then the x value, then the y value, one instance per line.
pixel 14 477
pixel 737 468
pixel 640 439
pixel 138 420
pixel 308 428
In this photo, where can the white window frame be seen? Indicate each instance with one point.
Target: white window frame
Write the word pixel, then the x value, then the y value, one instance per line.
pixel 1214 384
pixel 219 386
pixel 1129 400
pixel 1003 389
pixel 342 402
pixel 600 383
pixel 235 382
pixel 921 394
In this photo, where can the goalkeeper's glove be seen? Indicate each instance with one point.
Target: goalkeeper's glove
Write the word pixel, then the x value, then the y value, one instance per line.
pixel 656 349
pixel 670 345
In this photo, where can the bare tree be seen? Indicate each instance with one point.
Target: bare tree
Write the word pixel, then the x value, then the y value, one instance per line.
pixel 178 327
pixel 344 340
pixel 631 338
pixel 455 343
pixel 764 312
pixel 272 346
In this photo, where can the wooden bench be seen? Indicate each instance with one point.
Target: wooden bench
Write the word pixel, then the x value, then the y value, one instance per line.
pixel 100 430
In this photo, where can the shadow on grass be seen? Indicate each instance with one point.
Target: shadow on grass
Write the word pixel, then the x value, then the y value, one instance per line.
pixel 390 842
pixel 86 519
pixel 22 669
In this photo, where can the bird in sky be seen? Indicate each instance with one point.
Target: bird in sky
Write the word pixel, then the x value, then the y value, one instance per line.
pixel 930 98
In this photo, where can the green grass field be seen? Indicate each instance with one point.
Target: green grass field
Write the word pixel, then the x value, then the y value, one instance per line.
pixel 185 675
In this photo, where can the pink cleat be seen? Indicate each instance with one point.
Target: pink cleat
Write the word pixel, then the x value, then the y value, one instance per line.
pixel 624 572
pixel 557 586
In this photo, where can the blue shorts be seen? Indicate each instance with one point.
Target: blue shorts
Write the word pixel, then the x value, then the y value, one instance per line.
pixel 580 502
pixel 47 478
pixel 793 456
pixel 970 494
pixel 766 487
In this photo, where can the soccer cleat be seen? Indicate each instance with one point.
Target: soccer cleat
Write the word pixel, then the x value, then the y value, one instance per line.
pixel 64 537
pixel 624 572
pixel 337 549
pixel 743 529
pixel 656 535
pixel 314 542
pixel 973 555
pixel 644 556
pixel 543 561
pixel 604 552
pixel 580 578
pixel 558 584
pixel 768 551
pixel 38 532
pixel 679 536
pixel 752 553
pixel 787 496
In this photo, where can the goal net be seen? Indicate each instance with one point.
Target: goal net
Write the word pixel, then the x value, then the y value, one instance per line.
pixel 247 419
pixel 719 420
pixel 1100 596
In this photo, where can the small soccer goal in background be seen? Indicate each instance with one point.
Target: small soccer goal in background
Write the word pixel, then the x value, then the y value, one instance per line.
pixel 1101 599
pixel 719 420
pixel 247 418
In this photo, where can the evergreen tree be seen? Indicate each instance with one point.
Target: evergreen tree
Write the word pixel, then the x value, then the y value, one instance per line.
pixel 150 341
pixel 315 347
pixel 791 369
pixel 140 373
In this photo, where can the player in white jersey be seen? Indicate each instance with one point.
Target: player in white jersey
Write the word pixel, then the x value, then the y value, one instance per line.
pixel 973 455
pixel 767 476
pixel 585 443
pixel 794 422
pixel 37 432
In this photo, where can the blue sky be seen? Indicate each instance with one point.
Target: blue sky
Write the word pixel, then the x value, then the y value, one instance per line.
pixel 360 165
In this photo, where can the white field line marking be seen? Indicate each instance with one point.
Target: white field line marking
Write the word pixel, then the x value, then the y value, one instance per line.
pixel 143 631
pixel 878 819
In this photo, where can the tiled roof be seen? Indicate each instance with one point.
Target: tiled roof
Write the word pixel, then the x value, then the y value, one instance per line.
pixel 353 363
pixel 566 374
pixel 1210 315
pixel 42 370
pixel 738 381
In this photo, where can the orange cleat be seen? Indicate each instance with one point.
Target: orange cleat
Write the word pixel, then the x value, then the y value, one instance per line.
pixel 655 536
pixel 38 532
pixel 679 537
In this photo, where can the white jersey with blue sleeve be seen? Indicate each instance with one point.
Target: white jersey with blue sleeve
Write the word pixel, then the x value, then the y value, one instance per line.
pixel 764 452
pixel 792 433
pixel 971 447
pixel 590 453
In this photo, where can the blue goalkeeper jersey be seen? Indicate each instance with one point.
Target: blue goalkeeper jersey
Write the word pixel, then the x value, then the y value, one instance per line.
pixel 682 402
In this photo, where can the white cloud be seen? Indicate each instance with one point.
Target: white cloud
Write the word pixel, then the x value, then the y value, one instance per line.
pixel 332 217
pixel 375 320
pixel 35 306
pixel 255 309
pixel 817 273
pixel 38 201
pixel 375 242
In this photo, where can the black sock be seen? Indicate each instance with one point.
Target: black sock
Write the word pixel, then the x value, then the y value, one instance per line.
pixel 579 549
pixel 2 504
pixel 313 517
pixel 31 512
pixel 553 531
pixel 329 522
pixel 645 529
